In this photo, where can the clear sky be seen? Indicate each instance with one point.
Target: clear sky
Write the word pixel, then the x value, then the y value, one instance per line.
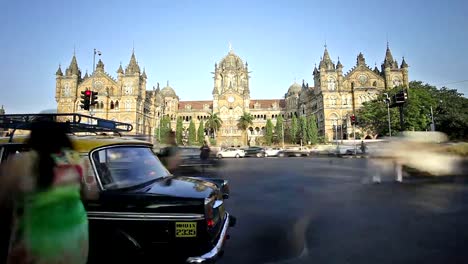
pixel 180 41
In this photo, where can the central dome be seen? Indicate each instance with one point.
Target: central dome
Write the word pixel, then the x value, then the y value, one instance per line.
pixel 231 61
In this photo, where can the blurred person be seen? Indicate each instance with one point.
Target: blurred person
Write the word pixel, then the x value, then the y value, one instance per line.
pixel 50 223
pixel 205 151
pixel 363 147
pixel 170 155
pixel 204 155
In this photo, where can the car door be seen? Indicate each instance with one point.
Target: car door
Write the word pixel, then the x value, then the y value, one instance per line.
pixel 231 153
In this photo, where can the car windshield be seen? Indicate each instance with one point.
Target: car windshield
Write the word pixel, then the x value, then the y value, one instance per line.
pixel 123 167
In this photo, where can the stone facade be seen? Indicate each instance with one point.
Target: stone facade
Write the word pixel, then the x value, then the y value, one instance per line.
pixel 334 97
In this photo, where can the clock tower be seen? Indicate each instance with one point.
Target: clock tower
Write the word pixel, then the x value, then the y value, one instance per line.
pixel 231 96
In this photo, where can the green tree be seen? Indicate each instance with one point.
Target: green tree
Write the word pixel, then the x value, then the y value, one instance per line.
pixel 163 129
pixel 312 130
pixel 279 129
pixel 214 123
pixel 293 130
pixel 244 122
pixel 179 130
pixel 201 133
pixel 192 138
pixel 269 132
pixel 302 133
pixel 450 111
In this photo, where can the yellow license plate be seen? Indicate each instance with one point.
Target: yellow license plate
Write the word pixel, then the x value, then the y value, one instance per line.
pixel 186 229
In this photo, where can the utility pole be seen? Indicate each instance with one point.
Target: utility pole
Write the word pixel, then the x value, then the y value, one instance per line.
pixel 282 128
pixel 387 101
pixel 433 128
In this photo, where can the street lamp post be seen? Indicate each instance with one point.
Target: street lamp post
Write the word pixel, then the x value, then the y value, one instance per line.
pixel 432 118
pixel 387 101
pixel 282 128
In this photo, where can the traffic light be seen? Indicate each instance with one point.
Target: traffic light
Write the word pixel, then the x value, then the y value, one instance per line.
pixel 85 99
pixel 401 97
pixel 93 98
pixel 353 120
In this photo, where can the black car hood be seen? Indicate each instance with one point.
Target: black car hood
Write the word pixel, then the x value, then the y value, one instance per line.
pixel 181 187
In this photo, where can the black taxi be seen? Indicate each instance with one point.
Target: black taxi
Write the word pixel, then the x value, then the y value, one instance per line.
pixel 136 208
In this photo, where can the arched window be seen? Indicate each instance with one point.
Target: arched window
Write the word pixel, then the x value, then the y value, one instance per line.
pixel 117 104
pixel 101 105
pixel 112 105
pixel 374 84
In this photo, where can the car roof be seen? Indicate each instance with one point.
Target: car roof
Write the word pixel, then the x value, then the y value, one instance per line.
pixel 87 143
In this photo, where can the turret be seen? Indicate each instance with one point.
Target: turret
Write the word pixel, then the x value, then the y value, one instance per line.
pixel 59 72
pixel 326 63
pixel 100 66
pixel 132 67
pixel 73 68
pixel 360 60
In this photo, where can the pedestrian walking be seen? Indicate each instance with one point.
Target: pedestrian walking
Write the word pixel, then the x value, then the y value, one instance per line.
pixel 363 147
pixel 204 155
pixel 50 223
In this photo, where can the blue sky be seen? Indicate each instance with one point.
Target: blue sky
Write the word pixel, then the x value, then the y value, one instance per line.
pixel 180 41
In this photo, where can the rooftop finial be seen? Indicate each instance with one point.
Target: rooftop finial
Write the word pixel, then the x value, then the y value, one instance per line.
pixel 325 44
pixel 167 83
pixel 73 50
pixel 133 46
pixel 230 47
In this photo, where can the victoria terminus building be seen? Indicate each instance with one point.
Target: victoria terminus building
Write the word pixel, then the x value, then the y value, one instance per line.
pixel 334 96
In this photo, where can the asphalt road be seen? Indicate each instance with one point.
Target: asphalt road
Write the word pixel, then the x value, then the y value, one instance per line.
pixel 326 210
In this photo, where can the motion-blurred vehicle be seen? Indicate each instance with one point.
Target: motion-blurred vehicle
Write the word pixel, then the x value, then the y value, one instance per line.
pixel 296 152
pixel 231 153
pixel 135 207
pixel 273 152
pixel 255 152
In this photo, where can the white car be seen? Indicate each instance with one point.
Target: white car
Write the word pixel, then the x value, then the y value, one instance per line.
pixel 273 152
pixel 231 153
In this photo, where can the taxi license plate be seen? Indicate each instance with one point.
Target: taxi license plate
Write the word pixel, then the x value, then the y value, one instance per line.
pixel 186 229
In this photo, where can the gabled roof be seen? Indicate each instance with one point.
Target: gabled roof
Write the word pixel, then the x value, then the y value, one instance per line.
pixel 268 103
pixel 195 105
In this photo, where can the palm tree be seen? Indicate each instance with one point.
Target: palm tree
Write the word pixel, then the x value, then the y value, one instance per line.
pixel 214 123
pixel 245 121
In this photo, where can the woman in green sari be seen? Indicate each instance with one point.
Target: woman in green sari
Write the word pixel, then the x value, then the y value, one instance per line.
pixel 50 222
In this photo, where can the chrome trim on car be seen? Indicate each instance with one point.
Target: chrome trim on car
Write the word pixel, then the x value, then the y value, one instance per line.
pixel 96 215
pixel 216 250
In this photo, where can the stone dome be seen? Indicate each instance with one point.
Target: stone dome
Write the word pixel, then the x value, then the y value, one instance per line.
pixel 168 91
pixel 231 61
pixel 295 88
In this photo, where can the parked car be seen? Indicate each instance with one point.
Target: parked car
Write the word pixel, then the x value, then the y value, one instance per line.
pixel 135 207
pixel 231 153
pixel 255 152
pixel 273 152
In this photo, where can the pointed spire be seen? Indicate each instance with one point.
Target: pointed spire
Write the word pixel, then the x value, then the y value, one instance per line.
pixel 59 71
pixel 73 68
pixel 315 69
pixel 338 64
pixel 100 66
pixel 360 60
pixel 376 70
pixel 86 75
pixel 395 64
pixel 132 65
pixel 120 70
pixel 143 75
pixel 403 63
pixel 326 62
pixel 388 61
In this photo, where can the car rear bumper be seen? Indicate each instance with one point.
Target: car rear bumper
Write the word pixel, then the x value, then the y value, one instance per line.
pixel 216 251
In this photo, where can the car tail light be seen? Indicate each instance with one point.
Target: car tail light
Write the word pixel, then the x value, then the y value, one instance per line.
pixel 214 211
